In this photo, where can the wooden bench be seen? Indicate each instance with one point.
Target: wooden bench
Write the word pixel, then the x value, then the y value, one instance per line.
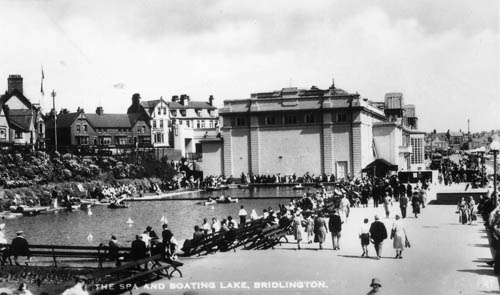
pixel 268 237
pixel 126 276
pixel 99 253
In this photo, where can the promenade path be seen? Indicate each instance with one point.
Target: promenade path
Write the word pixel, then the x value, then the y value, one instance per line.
pixel 445 258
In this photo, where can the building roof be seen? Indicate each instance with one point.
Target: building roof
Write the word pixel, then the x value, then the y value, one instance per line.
pixel 456 134
pixel 20 119
pixel 97 121
pixel 190 105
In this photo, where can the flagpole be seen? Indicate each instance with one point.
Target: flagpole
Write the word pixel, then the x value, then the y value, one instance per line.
pixel 55 118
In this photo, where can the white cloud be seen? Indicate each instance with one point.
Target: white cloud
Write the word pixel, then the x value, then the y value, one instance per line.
pixel 444 59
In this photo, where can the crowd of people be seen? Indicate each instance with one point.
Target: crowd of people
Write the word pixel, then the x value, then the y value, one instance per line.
pixel 285 178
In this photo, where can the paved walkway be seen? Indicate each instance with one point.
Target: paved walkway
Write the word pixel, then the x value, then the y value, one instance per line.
pixel 445 258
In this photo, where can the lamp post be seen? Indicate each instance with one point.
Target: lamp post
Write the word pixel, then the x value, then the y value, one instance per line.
pixel 494 148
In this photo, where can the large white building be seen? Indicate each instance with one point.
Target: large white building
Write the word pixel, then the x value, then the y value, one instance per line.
pixel 313 130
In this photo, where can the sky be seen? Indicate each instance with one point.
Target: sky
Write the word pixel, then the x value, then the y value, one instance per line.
pixel 443 55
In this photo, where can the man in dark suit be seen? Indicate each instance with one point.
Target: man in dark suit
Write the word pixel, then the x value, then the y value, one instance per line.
pixel 335 226
pixel 409 190
pixel 403 204
pixel 20 247
pixel 139 249
pixel 378 234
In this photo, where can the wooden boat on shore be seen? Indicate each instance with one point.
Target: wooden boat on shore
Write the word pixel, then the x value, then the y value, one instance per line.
pixel 28 211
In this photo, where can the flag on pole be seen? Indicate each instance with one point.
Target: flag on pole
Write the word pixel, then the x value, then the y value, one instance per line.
pixel 41 84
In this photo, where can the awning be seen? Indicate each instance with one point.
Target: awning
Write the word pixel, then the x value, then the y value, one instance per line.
pixel 379 167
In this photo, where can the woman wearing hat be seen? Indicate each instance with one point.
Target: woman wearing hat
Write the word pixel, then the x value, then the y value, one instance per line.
pixel 297 228
pixel 398 233
pixel 415 203
pixel 376 285
pixel 320 230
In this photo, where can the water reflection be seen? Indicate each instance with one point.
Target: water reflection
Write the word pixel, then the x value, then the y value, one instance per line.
pixel 74 228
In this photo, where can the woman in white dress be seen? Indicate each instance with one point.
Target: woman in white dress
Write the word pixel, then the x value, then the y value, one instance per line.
pixel 398 234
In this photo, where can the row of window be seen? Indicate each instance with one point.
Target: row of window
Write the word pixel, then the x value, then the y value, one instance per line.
pixel 198 112
pixel 159 124
pixel 140 129
pixel 198 123
pixel 286 119
pixel 107 140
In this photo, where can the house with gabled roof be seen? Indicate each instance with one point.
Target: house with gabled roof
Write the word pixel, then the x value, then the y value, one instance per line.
pixel 21 122
pixel 100 130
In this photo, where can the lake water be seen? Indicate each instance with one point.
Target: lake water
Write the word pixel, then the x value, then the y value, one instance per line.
pixel 74 228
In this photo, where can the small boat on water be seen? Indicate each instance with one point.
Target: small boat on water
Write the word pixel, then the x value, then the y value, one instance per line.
pixel 210 202
pixel 298 187
pixel 118 205
pixel 225 200
pixel 85 206
pixel 243 186
pixel 10 215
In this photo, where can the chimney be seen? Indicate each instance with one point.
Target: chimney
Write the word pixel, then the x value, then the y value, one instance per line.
pixel 211 100
pixel 184 99
pixel 99 111
pixel 15 82
pixel 175 98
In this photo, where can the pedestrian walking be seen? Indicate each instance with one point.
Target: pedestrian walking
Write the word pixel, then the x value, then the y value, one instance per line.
pixel 297 228
pixel 320 230
pixel 20 247
pixel 471 210
pixel 376 285
pixel 364 236
pixel 462 211
pixel 335 226
pixel 403 205
pixel 309 222
pixel 415 203
pixel 398 234
pixel 344 208
pixel 387 204
pixel 378 233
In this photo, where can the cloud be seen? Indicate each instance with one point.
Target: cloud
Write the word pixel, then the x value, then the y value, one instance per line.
pixel 443 57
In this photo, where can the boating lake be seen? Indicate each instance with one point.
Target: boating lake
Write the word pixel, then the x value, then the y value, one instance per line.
pixel 74 227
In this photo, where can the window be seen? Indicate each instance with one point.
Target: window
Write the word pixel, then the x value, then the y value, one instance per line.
pixel 19 134
pixel 240 121
pixel 198 112
pixel 82 140
pixel 154 123
pixel 40 128
pixel 211 124
pixel 164 111
pixel 159 111
pixel 105 130
pixel 138 129
pixel 161 123
pixel 183 113
pixel 85 128
pixel 270 120
pixel 198 124
pixel 309 118
pixel 341 117
pixel 290 119
pixel 78 128
pixel 417 157
pixel 143 129
pixel 180 122
pixel 187 123
pixel 202 123
pixel 173 113
pixel 211 113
